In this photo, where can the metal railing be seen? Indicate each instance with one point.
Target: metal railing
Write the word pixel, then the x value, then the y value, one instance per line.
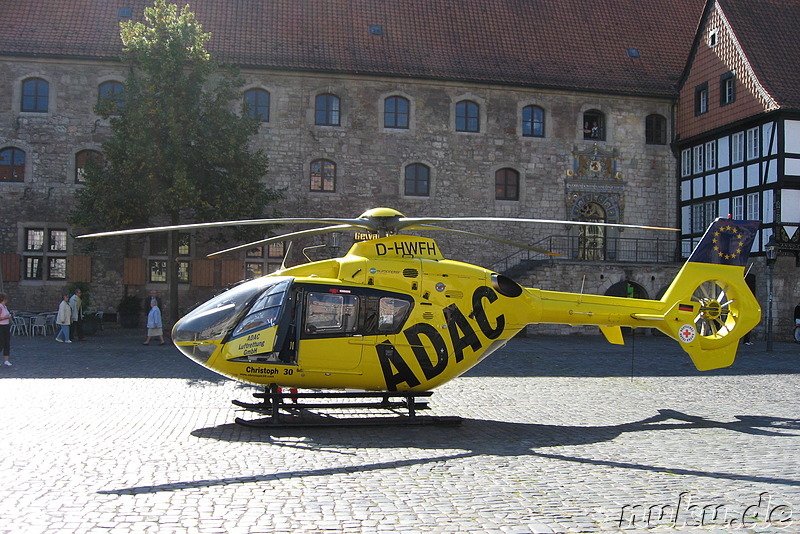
pixel 611 249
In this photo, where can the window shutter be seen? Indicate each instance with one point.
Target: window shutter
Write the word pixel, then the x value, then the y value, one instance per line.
pixel 134 272
pixel 232 272
pixel 79 269
pixel 203 273
pixel 10 265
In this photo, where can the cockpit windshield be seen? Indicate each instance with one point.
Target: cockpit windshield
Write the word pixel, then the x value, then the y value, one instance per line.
pixel 215 319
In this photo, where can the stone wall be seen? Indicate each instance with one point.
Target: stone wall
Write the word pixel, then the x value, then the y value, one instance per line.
pixel 370 159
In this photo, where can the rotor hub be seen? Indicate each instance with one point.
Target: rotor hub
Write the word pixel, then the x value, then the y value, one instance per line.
pixel 710 309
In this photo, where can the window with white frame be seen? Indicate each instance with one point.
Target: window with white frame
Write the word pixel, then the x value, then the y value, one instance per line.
pixel 711 155
pixel 727 89
pixel 753 207
pixel 703 214
pixel 752 143
pixel 737 147
pixel 711 212
pixel 686 162
pixel 701 99
pixel 738 208
pixel 698 159
pixel 698 218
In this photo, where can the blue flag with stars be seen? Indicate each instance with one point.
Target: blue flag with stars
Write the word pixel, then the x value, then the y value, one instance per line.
pixel 726 242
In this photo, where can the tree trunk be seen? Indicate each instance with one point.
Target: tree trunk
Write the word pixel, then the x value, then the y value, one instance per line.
pixel 172 274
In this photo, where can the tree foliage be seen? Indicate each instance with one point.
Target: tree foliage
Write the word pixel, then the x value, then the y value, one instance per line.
pixel 179 150
pixel 180 147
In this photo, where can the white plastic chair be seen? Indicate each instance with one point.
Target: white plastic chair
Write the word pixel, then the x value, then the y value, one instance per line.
pixel 19 326
pixel 40 324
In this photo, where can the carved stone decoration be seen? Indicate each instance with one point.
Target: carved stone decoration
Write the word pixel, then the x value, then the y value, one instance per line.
pixel 788 245
pixel 595 164
pixel 594 178
pixel 594 193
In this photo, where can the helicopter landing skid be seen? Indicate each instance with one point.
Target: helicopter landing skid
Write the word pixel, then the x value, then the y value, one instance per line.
pixel 293 409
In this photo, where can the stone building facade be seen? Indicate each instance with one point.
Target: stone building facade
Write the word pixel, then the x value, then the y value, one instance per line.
pixel 633 181
pixel 425 121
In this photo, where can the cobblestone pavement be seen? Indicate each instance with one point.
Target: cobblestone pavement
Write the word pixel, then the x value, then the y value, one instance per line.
pixel 560 434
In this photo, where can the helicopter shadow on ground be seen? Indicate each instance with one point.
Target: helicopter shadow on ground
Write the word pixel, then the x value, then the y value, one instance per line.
pixel 470 440
pixel 641 356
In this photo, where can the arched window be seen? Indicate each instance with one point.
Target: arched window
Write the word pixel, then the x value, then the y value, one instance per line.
pixel 418 180
pixel 35 95
pixel 326 110
pixel 12 165
pixel 655 130
pixel 111 93
pixel 468 117
pixel 323 175
pixel 84 158
pixel 594 125
pixel 256 103
pixel 395 112
pixel 532 121
pixel 506 184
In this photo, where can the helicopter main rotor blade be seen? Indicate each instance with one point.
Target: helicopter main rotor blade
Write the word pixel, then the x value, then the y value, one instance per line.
pixel 284 237
pixel 405 222
pixel 484 236
pixel 357 223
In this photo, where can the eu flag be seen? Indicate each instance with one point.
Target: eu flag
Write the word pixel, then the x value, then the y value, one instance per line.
pixel 726 242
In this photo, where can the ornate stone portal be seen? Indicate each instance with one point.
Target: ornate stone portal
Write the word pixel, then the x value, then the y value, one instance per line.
pixel 594 193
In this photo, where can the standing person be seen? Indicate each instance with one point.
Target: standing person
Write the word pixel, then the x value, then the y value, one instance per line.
pixel 76 306
pixel 148 301
pixel 154 326
pixel 5 329
pixel 63 319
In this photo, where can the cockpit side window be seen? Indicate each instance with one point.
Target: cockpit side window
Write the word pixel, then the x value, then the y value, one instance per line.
pixel 331 313
pixel 264 312
pixel 392 314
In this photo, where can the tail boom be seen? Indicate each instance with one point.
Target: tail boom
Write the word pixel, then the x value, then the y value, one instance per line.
pixel 708 307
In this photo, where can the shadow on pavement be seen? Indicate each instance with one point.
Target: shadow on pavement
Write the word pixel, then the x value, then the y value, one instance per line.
pixel 509 439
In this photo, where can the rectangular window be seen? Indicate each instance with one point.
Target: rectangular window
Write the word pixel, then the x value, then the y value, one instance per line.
pixel 738 208
pixel 711 213
pixel 34 240
pixel 57 269
pixel 255 252
pixel 698 218
pixel 686 162
pixel 183 272
pixel 33 268
pixel 701 99
pixel 157 270
pixel 253 269
pixel 40 253
pixel 727 93
pixel 752 144
pixel 275 250
pixel 698 159
pixel 328 313
pixel 711 155
pixel 753 207
pixel 159 244
pixel 737 147
pixel 58 240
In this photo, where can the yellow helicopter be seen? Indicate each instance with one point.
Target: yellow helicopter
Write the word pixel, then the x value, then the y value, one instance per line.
pixel 394 317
